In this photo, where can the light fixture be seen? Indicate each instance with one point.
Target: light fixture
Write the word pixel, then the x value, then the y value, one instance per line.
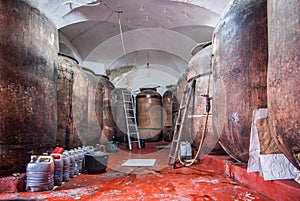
pixel 141 8
pixel 119 12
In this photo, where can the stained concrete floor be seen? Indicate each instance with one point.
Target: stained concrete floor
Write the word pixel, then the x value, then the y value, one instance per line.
pixel 160 182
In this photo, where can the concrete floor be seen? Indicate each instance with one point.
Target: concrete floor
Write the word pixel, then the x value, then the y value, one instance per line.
pixel 202 181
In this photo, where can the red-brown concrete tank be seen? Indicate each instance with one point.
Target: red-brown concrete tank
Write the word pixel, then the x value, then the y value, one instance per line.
pixel 170 106
pixel 79 122
pixel 28 74
pixel 240 48
pixel 72 103
pixel 109 127
pixel 149 114
pixel 199 67
pixel 284 76
pixel 119 113
pixel 65 81
pixel 181 84
pixel 167 102
pixel 95 109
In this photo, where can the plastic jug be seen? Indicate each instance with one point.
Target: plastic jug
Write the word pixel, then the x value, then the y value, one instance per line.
pixel 40 173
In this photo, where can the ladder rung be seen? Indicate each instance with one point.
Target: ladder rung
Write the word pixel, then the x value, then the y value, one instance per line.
pixel 179 124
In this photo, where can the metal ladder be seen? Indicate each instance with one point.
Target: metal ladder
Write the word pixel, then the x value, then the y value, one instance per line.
pixel 182 113
pixel 130 119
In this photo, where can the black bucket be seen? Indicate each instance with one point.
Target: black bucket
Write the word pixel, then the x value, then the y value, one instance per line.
pixel 142 142
pixel 95 162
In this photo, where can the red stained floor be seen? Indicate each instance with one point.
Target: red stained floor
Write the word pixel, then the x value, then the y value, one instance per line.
pixel 201 181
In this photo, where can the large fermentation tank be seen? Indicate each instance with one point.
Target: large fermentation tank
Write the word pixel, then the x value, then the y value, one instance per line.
pixel 283 76
pixel 149 114
pixel 181 85
pixel 240 48
pixel 72 103
pixel 200 69
pixel 95 109
pixel 119 113
pixel 28 74
pixel 109 127
pixel 170 106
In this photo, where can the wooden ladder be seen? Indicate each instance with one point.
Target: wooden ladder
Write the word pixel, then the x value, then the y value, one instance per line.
pixel 182 113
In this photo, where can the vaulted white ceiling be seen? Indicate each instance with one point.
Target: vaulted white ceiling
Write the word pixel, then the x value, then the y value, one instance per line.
pixel 107 34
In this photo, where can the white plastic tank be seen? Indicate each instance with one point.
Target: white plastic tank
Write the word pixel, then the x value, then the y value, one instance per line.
pixel 81 159
pixel 77 165
pixel 66 166
pixel 40 174
pixel 58 168
pixel 72 163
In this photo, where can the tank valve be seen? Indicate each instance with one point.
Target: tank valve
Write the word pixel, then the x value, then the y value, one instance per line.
pixel 208 106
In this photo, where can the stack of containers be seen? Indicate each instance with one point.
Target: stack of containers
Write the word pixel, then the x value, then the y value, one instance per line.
pixel 44 172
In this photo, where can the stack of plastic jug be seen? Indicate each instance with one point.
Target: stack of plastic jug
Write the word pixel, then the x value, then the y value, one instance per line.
pixel 58 165
pixel 40 173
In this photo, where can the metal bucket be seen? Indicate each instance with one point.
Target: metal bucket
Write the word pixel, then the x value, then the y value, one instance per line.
pixel 95 162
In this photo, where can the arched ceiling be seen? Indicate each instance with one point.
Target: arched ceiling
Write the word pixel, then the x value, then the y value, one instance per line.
pixel 160 32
